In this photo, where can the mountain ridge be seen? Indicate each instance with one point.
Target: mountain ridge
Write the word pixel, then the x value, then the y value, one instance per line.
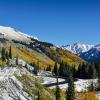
pixel 87 52
pixel 11 33
pixel 77 48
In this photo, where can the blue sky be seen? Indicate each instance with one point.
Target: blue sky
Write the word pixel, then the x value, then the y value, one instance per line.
pixel 56 21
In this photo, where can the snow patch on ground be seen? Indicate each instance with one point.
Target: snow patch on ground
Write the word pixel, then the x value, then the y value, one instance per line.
pixel 10 87
pixel 80 84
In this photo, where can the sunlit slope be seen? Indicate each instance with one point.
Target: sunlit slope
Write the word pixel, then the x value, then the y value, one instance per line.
pixel 32 57
pixel 62 55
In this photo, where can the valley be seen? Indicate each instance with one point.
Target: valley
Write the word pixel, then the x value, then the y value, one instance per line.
pixel 31 69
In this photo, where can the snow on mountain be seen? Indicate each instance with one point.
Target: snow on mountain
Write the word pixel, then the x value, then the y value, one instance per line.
pixel 85 51
pixel 93 54
pixel 78 48
pixel 12 34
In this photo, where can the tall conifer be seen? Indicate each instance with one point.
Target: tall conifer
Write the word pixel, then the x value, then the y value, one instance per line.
pixel 70 91
pixel 10 52
pixel 58 96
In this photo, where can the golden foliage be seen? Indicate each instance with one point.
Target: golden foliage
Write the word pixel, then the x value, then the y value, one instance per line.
pixel 2 62
pixel 87 96
pixel 35 57
pixel 64 55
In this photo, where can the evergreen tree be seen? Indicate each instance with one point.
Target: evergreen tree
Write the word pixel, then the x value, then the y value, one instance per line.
pixel 48 68
pixel 58 96
pixel 10 52
pixel 7 62
pixel 79 73
pixel 3 55
pixel 88 70
pixel 7 56
pixel 74 71
pixel 38 95
pixel 70 91
pixel 83 71
pixel 17 60
pixel 98 86
pixel 91 87
pixel 36 68
pixel 63 69
pixel 55 69
pixel 92 71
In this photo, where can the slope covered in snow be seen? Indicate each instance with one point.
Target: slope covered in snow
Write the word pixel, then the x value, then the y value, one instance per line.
pixel 10 87
pixel 80 84
pixel 12 34
pixel 17 83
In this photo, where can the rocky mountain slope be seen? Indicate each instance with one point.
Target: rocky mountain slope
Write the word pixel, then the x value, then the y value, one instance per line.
pixel 19 84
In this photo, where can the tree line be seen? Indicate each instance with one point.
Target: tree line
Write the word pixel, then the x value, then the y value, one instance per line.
pixel 84 71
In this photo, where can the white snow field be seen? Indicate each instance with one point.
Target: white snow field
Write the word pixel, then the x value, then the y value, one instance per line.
pixel 80 84
pixel 10 87
pixel 12 34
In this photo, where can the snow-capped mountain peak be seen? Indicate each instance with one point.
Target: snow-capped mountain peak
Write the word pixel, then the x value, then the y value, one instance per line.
pixel 12 34
pixel 78 48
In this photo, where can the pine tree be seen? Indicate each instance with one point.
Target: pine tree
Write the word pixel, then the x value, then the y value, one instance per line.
pixel 36 69
pixel 70 91
pixel 17 60
pixel 10 53
pixel 92 71
pixel 7 62
pixel 3 55
pixel 38 95
pixel 38 66
pixel 7 56
pixel 91 86
pixel 98 86
pixel 74 71
pixel 48 68
pixel 55 69
pixel 58 96
pixel 62 69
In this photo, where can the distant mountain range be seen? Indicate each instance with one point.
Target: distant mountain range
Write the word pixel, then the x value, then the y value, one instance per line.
pixel 85 51
pixel 77 48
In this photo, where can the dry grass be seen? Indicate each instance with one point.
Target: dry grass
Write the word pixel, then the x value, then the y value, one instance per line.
pixel 87 96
